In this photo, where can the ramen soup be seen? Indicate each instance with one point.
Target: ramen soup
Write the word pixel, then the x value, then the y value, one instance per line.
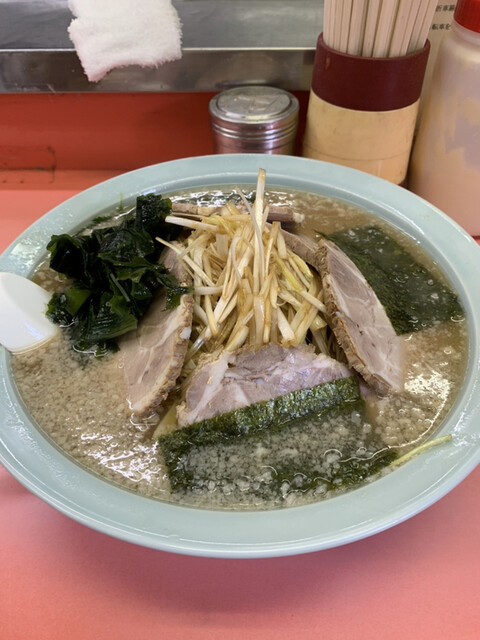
pixel 319 439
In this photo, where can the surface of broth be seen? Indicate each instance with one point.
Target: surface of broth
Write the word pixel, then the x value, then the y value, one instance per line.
pixel 81 404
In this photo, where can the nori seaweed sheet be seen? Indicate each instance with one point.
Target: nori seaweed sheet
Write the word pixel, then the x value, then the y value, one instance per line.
pixel 269 449
pixel 413 298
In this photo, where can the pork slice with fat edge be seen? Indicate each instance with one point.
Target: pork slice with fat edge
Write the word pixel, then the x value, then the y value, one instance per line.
pixel 152 355
pixel 360 322
pixel 235 380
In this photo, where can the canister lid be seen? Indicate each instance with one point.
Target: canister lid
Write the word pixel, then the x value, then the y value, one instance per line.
pixel 254 111
pixel 467 14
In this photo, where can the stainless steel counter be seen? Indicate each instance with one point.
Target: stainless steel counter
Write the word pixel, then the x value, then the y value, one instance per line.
pixel 225 43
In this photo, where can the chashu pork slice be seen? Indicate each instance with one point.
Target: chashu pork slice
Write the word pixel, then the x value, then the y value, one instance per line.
pixel 304 246
pixel 152 355
pixel 360 322
pixel 235 380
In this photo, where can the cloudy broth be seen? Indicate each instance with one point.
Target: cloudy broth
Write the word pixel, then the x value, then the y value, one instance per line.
pixel 80 403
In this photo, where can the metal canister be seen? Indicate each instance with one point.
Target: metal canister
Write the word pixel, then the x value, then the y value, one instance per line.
pixel 254 119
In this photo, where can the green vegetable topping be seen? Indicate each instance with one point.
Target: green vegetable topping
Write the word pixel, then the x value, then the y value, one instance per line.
pixel 413 298
pixel 115 273
pixel 272 448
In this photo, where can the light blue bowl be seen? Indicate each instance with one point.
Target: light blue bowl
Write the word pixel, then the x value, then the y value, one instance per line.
pixel 52 476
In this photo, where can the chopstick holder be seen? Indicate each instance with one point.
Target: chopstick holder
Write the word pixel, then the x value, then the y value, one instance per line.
pixel 362 111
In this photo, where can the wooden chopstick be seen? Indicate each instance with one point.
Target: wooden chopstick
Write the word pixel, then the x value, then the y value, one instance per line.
pixel 345 25
pixel 385 25
pixel 337 24
pixel 328 23
pixel 373 11
pixel 357 27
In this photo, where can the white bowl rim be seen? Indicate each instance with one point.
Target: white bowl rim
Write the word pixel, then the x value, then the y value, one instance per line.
pixel 42 468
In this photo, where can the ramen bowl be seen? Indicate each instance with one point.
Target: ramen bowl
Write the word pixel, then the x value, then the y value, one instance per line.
pixel 373 507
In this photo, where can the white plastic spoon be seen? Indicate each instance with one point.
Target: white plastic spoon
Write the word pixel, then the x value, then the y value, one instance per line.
pixel 23 323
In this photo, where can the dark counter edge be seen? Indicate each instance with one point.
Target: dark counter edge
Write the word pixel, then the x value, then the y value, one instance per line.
pixel 60 71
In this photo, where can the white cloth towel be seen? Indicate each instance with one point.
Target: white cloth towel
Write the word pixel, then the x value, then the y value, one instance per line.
pixel 118 33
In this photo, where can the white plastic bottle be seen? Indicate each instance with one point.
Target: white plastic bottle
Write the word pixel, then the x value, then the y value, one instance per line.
pixel 445 163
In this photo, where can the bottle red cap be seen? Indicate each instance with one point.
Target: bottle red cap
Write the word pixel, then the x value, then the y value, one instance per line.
pixel 467 14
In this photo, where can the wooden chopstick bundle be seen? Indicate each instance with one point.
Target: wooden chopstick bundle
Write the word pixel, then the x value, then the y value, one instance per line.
pixel 426 14
pixel 377 28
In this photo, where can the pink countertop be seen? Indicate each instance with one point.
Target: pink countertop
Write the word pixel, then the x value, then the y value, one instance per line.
pixel 61 580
